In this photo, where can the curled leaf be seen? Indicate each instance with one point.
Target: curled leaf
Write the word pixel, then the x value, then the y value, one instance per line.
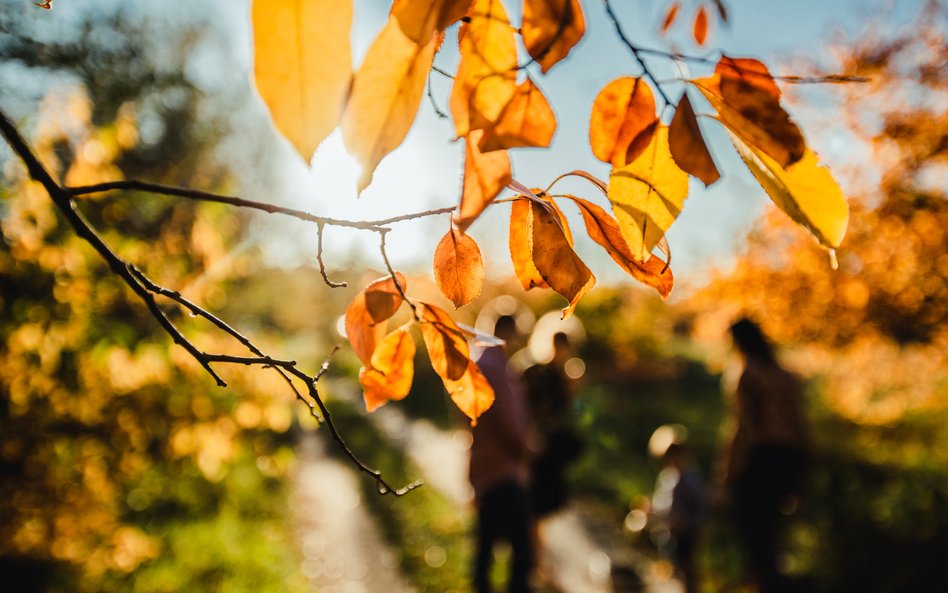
pixel 446 343
pixel 647 195
pixel 555 260
pixel 471 392
pixel 392 367
pixel 485 175
pixel 527 120
pixel 367 312
pixel 420 19
pixel 521 246
pixel 458 268
pixel 687 145
pixel 550 29
pixel 623 120
pixel 303 66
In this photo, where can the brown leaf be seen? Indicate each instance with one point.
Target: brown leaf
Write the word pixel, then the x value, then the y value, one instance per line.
pixel 623 120
pixel 386 93
pixel 555 260
pixel 391 369
pixel 521 246
pixel 485 176
pixel 550 29
pixel 471 392
pixel 604 229
pixel 303 66
pixel 420 19
pixel 670 15
pixel 487 73
pixel 527 120
pixel 458 268
pixel 687 145
pixel 367 312
pixel 446 344
pixel 700 28
pixel 747 101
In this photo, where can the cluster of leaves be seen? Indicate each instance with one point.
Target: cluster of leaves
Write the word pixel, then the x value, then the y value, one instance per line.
pixel 303 71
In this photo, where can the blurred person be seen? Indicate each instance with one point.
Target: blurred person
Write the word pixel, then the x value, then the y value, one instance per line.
pixel 764 461
pixel 678 505
pixel 500 458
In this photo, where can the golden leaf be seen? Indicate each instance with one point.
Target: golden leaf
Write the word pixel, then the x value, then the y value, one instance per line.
pixel 485 176
pixel 687 145
pixel 623 120
pixel 805 190
pixel 420 19
pixel 303 66
pixel 527 120
pixel 458 268
pixel 471 392
pixel 550 29
pixel 555 260
pixel 446 343
pixel 647 195
pixel 367 312
pixel 487 73
pixel 386 92
pixel 391 369
pixel 521 246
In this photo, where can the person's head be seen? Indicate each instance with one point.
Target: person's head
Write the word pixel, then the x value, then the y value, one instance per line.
pixel 676 455
pixel 750 340
pixel 505 328
pixel 561 347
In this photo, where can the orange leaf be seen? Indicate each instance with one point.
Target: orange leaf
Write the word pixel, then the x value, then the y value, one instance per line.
pixel 303 66
pixel 521 246
pixel 367 312
pixel 700 27
pixel 555 259
pixel 623 121
pixel 485 176
pixel 471 393
pixel 386 93
pixel 390 373
pixel 446 344
pixel 747 101
pixel 687 145
pixel 603 229
pixel 527 120
pixel 487 73
pixel 458 268
pixel 550 29
pixel 670 15
pixel 420 19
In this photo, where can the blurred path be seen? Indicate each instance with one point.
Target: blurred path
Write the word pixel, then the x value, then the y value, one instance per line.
pixel 343 551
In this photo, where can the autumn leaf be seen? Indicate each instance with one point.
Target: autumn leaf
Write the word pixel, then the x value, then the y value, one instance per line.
pixel 604 230
pixel 386 92
pixel 487 73
pixel 550 29
pixel 747 101
pixel 521 246
pixel 471 392
pixel 700 27
pixel 420 19
pixel 367 313
pixel 623 120
pixel 303 66
pixel 527 120
pixel 647 195
pixel 458 268
pixel 446 344
pixel 805 190
pixel 671 13
pixel 389 374
pixel 554 258
pixel 687 145
pixel 485 176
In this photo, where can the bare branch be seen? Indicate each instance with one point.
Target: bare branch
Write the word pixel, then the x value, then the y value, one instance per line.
pixel 319 260
pixel 636 51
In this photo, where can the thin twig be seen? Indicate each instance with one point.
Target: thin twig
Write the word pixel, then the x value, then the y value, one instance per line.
pixel 319 260
pixel 431 99
pixel 636 51
pixel 391 272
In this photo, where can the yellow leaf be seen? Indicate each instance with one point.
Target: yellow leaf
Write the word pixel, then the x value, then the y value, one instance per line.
pixel 446 343
pixel 391 369
pixel 420 19
pixel 367 312
pixel 487 73
pixel 386 93
pixel 550 29
pixel 527 120
pixel 805 190
pixel 458 268
pixel 521 245
pixel 687 145
pixel 471 393
pixel 555 259
pixel 303 66
pixel 647 195
pixel 485 176
pixel 623 121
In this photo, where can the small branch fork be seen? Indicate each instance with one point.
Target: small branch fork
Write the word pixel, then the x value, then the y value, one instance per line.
pixel 64 199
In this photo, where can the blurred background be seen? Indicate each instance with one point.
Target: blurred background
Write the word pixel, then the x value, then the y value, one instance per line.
pixel 123 467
